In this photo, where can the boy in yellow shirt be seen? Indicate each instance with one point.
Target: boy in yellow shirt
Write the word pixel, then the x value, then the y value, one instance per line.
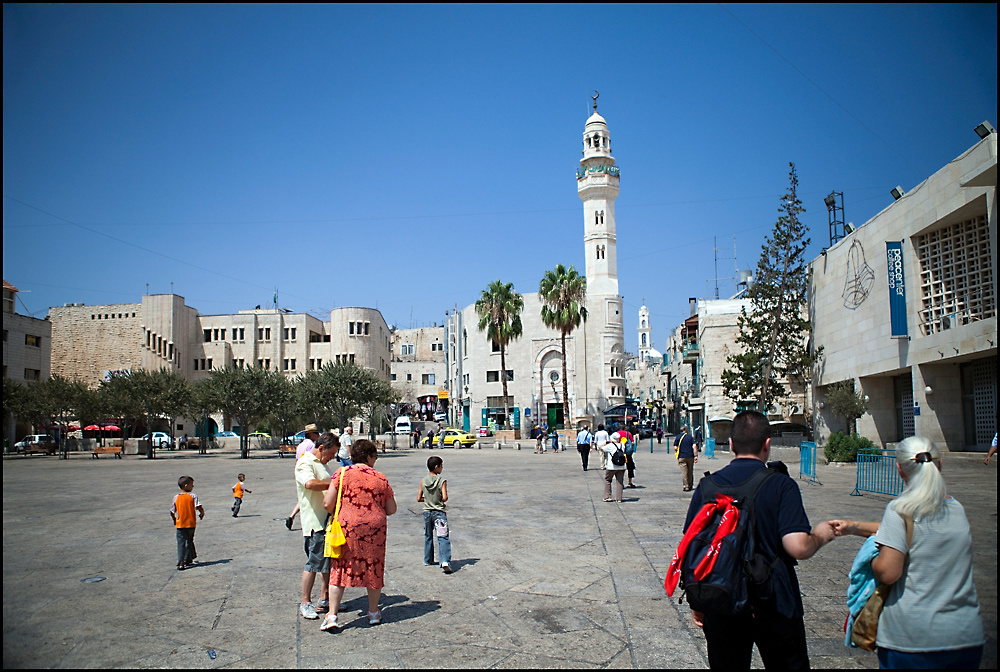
pixel 182 512
pixel 238 491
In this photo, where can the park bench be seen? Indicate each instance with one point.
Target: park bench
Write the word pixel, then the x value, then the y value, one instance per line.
pixel 286 450
pixel 108 450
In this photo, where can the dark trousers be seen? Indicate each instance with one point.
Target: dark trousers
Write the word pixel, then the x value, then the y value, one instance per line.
pixel 781 641
pixel 629 466
pixel 185 546
pixel 236 506
pixel 584 449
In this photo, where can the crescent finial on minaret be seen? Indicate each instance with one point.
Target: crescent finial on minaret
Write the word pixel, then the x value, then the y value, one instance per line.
pixel 596 95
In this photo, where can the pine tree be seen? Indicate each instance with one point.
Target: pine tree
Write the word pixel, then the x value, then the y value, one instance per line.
pixel 773 337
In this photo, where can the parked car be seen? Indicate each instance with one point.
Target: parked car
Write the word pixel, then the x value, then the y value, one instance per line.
pixel 223 435
pixel 441 416
pixel 454 438
pixel 34 441
pixel 260 433
pixel 294 439
pixel 160 439
pixel 403 426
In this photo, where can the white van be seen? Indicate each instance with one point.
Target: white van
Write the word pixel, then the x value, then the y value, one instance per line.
pixel 403 425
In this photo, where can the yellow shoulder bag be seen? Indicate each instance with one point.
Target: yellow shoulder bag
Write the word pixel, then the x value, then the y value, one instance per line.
pixel 335 538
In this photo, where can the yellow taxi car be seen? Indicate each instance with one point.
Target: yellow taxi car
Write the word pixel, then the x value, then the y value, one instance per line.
pixel 455 438
pixel 259 433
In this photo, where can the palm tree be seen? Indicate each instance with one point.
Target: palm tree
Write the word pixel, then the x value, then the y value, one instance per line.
pixel 499 310
pixel 563 293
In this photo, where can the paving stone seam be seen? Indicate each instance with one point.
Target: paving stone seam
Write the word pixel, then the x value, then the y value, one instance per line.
pixel 611 571
pixel 222 607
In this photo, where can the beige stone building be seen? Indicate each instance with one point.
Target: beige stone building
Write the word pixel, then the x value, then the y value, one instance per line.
pixel 920 342
pixel 595 352
pixel 27 350
pixel 162 331
pixel 418 369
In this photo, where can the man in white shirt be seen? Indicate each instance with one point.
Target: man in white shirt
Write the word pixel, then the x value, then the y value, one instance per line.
pixel 601 437
pixel 312 479
pixel 312 433
pixel 583 439
pixel 345 447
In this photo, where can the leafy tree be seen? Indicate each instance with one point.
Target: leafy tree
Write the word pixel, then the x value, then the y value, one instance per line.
pixel 312 397
pixel 121 400
pixel 91 407
pixel 499 309
pixel 563 293
pixel 845 403
pixel 375 397
pixel 344 386
pixel 201 406
pixel 284 409
pixel 245 395
pixel 773 334
pixel 15 402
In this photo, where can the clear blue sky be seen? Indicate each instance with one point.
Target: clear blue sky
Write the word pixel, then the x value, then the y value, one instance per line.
pixel 406 156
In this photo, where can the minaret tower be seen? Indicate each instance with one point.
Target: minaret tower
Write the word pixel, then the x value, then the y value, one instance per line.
pixel 645 339
pixel 597 185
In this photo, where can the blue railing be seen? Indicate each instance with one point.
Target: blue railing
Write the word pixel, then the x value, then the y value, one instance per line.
pixel 710 448
pixel 807 460
pixel 877 472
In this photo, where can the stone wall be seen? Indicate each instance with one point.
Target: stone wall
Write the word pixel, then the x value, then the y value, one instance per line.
pixel 89 340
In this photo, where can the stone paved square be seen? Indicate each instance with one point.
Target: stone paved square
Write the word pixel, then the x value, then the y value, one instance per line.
pixel 547 574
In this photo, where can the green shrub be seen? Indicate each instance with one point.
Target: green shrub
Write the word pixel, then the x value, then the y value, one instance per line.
pixel 841 447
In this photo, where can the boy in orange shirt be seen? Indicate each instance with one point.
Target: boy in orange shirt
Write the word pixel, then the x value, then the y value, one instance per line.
pixel 238 491
pixel 182 512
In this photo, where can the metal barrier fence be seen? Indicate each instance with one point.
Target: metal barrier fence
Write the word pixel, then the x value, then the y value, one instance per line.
pixel 877 472
pixel 710 448
pixel 807 460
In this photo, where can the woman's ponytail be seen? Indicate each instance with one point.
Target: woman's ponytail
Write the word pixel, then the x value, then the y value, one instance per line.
pixel 920 460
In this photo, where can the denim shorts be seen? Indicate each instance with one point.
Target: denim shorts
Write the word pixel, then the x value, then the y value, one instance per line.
pixel 314 545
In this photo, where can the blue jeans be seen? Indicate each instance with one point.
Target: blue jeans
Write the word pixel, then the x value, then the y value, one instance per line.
pixel 444 543
pixel 185 545
pixel 345 462
pixel 955 659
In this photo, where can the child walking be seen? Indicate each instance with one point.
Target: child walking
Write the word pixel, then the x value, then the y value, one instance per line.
pixel 238 491
pixel 182 512
pixel 434 493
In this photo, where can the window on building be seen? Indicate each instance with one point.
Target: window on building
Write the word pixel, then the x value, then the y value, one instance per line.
pixel 409 377
pixel 392 376
pixel 170 351
pixel 208 335
pixel 234 333
pixel 492 376
pixel 209 363
pixel 267 333
pixel 510 375
pixel 4 335
pixel 319 363
pixel 427 379
pixel 286 365
pixel 242 337
pixel 367 324
pixel 350 328
pixel 267 363
pixel 351 358
pixel 195 364
pixel 203 365
pixel 956 275
pixel 260 363
pixel 293 364
pixel 32 374
pixel 495 346
pixel 465 380
pixel 293 333
pixel 260 333
pixel 33 341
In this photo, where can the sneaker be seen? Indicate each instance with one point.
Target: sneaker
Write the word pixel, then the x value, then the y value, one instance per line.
pixel 288 523
pixel 374 617
pixel 446 568
pixel 308 611
pixel 329 623
pixel 323 607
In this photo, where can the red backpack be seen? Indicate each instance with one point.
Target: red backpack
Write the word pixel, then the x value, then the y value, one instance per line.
pixel 716 563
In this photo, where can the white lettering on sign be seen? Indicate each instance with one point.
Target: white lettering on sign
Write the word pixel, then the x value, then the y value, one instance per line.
pixel 895 258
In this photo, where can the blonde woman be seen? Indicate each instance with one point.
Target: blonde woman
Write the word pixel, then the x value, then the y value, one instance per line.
pixel 931 617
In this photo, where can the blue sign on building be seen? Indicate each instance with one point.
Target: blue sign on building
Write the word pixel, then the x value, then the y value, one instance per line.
pixel 897 289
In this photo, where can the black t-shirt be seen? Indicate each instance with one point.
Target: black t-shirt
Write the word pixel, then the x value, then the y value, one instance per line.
pixel 779 512
pixel 686 444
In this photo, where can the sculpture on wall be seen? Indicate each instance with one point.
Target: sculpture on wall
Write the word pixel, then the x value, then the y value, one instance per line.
pixel 860 277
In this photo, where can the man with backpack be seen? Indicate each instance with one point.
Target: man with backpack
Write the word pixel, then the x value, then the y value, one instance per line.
pixel 687 455
pixel 746 592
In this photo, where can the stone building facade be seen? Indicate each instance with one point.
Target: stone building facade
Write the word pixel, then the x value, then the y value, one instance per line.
pixel 595 354
pixel 923 350
pixel 163 332
pixel 27 343
pixel 418 369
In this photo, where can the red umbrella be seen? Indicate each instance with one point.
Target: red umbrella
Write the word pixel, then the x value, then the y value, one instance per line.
pixel 72 428
pixel 112 428
pixel 92 428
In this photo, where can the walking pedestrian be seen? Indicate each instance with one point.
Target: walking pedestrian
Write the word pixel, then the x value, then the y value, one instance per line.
pixel 311 482
pixel 931 618
pixel 583 439
pixel 687 454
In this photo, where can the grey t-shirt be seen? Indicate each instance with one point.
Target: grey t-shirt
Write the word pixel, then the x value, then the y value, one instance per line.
pixel 934 606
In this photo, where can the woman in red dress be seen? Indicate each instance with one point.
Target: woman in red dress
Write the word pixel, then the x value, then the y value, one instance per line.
pixel 366 501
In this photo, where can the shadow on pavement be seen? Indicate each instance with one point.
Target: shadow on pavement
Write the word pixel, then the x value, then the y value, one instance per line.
pixel 395 608
pixel 210 563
